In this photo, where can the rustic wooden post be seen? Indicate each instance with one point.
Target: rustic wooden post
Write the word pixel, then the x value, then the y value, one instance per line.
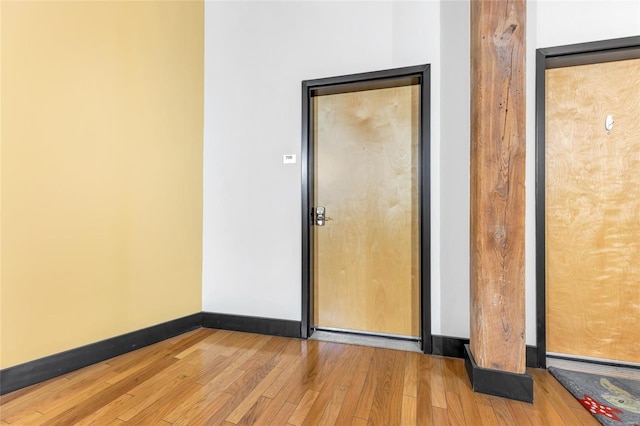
pixel 496 355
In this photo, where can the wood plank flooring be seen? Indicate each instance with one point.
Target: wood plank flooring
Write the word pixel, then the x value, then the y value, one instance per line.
pixel 217 377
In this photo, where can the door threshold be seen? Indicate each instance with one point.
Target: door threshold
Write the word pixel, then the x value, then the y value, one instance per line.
pixel 593 366
pixel 367 340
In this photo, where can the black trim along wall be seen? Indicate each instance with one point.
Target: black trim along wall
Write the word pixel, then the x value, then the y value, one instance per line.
pixel 39 370
pixel 269 326
pixel 454 347
pixel 32 372
pixel 498 382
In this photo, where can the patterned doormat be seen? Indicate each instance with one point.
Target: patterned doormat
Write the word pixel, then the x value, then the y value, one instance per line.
pixel 611 400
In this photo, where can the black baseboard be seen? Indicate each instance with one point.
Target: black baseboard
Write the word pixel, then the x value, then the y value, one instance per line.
pixel 19 376
pixel 30 373
pixel 497 382
pixel 269 326
pixel 448 346
pixel 454 347
pixel 39 370
pixel 532 357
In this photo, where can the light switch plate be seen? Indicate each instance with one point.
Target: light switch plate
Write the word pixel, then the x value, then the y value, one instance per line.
pixel 289 159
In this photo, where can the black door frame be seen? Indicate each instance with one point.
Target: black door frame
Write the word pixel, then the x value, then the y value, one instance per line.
pixel 354 83
pixel 548 58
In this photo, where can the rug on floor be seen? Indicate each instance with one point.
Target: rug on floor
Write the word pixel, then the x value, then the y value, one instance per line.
pixel 611 400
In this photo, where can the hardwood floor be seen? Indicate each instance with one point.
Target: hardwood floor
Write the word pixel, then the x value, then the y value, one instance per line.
pixel 221 377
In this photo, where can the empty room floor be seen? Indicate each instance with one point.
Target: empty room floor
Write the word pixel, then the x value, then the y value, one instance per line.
pixel 222 377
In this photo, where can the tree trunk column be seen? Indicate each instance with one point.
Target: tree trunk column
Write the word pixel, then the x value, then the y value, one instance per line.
pixel 497 353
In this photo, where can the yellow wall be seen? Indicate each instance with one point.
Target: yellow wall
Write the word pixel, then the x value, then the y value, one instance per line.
pixel 101 170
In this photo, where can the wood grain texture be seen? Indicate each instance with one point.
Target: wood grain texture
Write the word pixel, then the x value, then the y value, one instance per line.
pixel 593 210
pixel 367 258
pixel 329 383
pixel 497 202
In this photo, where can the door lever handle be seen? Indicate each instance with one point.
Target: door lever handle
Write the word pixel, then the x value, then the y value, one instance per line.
pixel 320 218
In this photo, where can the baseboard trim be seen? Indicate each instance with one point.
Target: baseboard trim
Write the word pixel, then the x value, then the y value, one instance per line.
pixel 39 370
pixel 454 347
pixel 532 357
pixel 448 346
pixel 248 324
pixel 497 382
pixel 29 373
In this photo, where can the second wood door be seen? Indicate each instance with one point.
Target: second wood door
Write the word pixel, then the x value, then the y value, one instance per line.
pixel 592 193
pixel 366 258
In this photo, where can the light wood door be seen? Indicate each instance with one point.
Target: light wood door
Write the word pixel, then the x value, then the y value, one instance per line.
pixel 593 211
pixel 366 258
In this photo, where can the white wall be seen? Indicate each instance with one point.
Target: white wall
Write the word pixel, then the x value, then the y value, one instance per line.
pixel 566 22
pixel 416 30
pixel 256 55
pixel 454 169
